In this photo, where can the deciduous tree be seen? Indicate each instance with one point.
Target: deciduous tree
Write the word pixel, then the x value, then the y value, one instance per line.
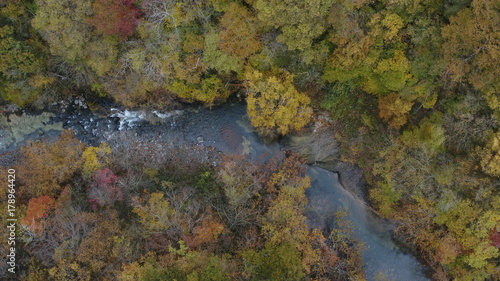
pixel 38 208
pixel 22 68
pixel 98 255
pixel 241 182
pixel 95 158
pixel 471 226
pixel 348 247
pixel 115 17
pixel 274 105
pixel 206 232
pixel 48 164
pixel 394 110
pixel 471 51
pixel 274 262
pixel 155 214
pixel 300 22
pixel 62 25
pixel 427 137
pixel 284 223
pixel 104 189
pixel 490 155
pixel 239 33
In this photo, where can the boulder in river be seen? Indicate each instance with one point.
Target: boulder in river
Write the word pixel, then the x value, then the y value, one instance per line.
pixel 319 147
pixel 316 144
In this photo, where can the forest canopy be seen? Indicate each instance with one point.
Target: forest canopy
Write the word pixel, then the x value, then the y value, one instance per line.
pixel 412 87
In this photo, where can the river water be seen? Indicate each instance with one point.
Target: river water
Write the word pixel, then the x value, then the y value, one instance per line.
pixel 227 129
pixel 381 256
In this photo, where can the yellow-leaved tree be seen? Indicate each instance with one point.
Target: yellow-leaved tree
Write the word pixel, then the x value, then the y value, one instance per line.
pixel 284 223
pixel 274 105
pixel 490 155
pixel 156 214
pixel 95 158
pixel 394 109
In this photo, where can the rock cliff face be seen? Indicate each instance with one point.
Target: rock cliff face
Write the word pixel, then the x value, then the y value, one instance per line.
pixel 317 144
pixel 351 178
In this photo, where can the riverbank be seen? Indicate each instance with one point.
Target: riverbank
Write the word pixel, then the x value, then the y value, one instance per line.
pixel 225 129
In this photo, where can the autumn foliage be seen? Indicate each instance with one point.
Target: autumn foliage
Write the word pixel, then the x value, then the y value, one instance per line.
pixel 495 237
pixel 115 17
pixel 206 232
pixel 411 89
pixel 38 208
pixel 275 106
pixel 394 109
pixel 104 189
pixel 239 32
pixel 48 164
pixel 95 158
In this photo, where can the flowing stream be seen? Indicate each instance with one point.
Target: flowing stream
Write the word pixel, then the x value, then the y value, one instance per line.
pixel 228 130
pixel 381 256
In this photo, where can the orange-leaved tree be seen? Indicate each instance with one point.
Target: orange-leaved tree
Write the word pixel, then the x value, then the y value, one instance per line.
pixel 38 208
pixel 47 164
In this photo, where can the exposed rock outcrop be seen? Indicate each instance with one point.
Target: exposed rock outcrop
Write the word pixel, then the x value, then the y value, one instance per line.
pixel 351 178
pixel 316 144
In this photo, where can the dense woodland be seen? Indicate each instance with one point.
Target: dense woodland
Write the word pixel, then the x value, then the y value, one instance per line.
pixel 145 211
pixel 412 86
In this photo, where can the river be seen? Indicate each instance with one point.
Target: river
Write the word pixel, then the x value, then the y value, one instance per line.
pixel 227 129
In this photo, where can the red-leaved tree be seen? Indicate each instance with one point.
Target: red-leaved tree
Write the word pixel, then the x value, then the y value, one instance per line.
pixel 115 17
pixel 495 237
pixel 104 189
